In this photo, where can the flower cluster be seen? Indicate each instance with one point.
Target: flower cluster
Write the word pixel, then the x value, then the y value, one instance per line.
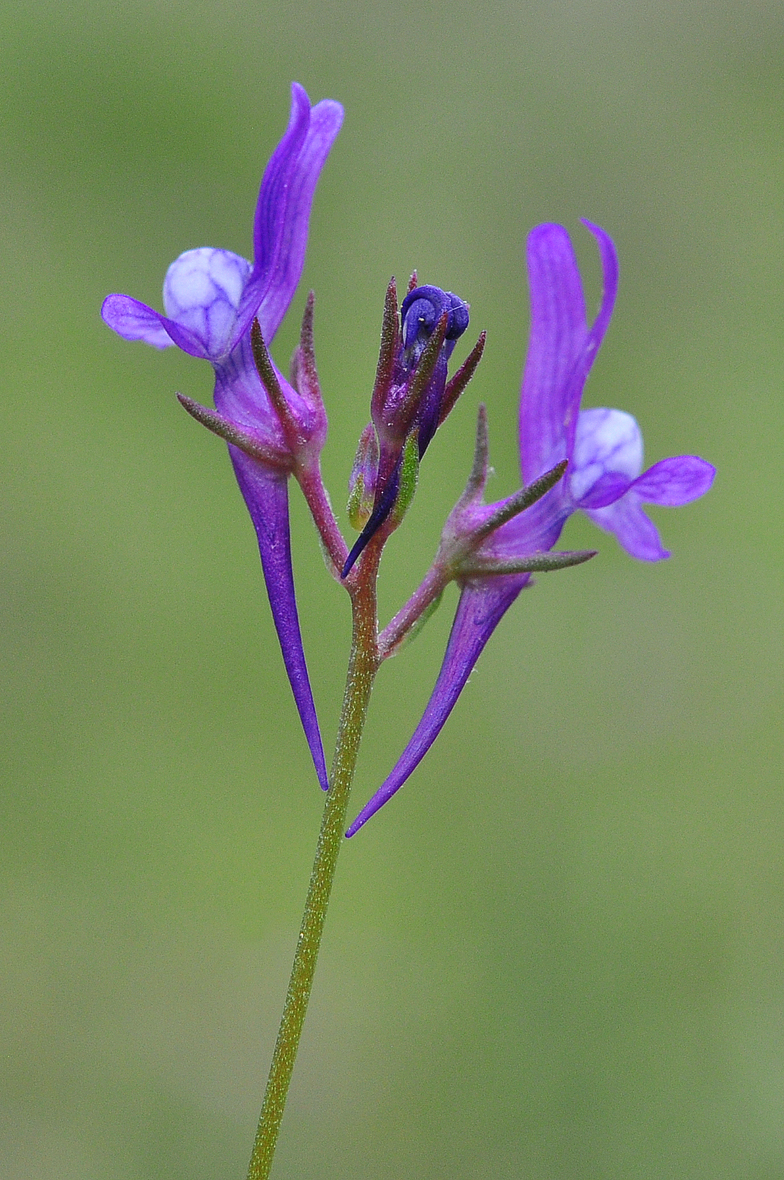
pixel 221 308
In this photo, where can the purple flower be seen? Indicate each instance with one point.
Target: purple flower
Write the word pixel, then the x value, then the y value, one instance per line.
pixel 603 450
pixel 211 299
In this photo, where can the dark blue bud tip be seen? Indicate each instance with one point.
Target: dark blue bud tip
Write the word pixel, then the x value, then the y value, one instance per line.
pixel 458 317
pixel 421 310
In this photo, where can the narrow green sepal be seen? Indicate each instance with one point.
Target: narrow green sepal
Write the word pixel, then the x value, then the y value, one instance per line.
pixel 390 340
pixel 232 432
pixel 477 480
pixel 532 563
pixel 522 500
pixel 409 471
pixel 457 384
pixel 269 380
pixel 303 373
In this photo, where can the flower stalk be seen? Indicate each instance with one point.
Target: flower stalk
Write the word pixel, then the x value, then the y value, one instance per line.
pixel 362 668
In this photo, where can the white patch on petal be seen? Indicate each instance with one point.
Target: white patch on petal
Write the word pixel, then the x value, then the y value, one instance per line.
pixel 605 441
pixel 202 291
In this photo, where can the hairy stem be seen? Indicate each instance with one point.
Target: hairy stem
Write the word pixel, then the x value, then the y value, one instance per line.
pixel 362 668
pixel 309 479
pixel 425 594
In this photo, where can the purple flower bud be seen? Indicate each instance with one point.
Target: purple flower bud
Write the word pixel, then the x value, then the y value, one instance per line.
pixel 409 392
pixel 421 310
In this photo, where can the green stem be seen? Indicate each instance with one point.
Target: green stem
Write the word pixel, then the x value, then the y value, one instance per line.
pixel 362 668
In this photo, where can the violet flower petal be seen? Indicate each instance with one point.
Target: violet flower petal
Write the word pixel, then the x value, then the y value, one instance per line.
pixel 562 348
pixel 670 482
pixel 280 230
pixel 635 531
pixel 608 256
pixel 273 192
pixel 482 605
pixel 557 335
pixel 608 488
pixel 134 320
pixel 676 481
pixel 266 494
pixel 211 296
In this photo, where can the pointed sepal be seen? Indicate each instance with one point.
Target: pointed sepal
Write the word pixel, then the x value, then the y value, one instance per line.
pixel 245 439
pixel 477 480
pixel 526 497
pixel 528 563
pixel 387 355
pixel 304 374
pixel 457 384
pixel 467 542
pixel 271 383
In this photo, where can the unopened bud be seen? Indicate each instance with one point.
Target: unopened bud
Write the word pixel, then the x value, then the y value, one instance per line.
pixel 422 309
pixel 362 481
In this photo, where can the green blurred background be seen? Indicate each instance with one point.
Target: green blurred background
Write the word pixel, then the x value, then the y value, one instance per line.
pixel 559 953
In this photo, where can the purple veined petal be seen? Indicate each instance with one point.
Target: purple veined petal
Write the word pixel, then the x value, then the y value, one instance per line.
pixel 606 458
pixel 635 531
pixel 608 256
pixel 326 119
pixel 482 606
pixel 273 193
pixel 283 211
pixel 136 321
pixel 609 261
pixel 607 489
pixel 562 348
pixel 201 294
pixel 557 336
pixel 675 481
pixel 266 494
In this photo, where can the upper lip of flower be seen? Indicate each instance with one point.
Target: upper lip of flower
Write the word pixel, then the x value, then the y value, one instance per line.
pixel 212 296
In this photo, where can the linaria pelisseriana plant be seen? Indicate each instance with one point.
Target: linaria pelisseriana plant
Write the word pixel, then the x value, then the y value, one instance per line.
pixel 224 309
